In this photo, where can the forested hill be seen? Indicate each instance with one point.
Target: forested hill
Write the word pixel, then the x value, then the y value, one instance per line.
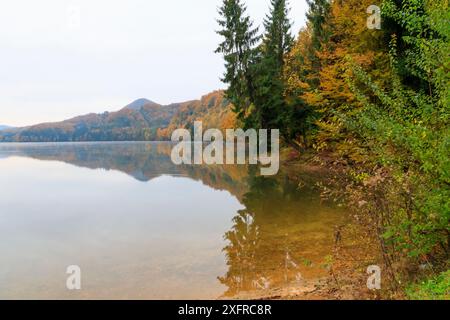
pixel 142 120
pixel 3 127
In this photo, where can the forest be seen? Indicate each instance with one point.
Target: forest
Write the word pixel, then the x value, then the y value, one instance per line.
pixel 371 101
pixel 363 89
pixel 149 122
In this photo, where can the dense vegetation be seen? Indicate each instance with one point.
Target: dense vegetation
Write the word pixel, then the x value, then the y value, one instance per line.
pixel 375 101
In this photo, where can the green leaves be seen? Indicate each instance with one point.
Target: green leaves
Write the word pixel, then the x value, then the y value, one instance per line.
pixel 437 288
pixel 254 68
pixel 238 50
pixel 408 129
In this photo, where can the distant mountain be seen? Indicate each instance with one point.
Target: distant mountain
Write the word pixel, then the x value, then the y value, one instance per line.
pixel 3 127
pixel 142 120
pixel 138 104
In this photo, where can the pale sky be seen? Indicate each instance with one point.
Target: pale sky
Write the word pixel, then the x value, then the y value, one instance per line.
pixel 62 58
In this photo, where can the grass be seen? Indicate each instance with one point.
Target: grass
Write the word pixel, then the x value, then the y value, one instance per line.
pixel 437 288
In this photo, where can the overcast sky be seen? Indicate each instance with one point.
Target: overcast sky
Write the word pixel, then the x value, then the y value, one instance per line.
pixel 62 58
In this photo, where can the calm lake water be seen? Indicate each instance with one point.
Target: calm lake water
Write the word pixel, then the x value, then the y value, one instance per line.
pixel 140 227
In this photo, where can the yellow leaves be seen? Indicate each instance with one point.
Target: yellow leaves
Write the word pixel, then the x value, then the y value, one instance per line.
pixel 323 82
pixel 211 109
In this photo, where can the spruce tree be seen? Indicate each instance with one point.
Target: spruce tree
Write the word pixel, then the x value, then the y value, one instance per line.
pixel 238 49
pixel 317 16
pixel 272 110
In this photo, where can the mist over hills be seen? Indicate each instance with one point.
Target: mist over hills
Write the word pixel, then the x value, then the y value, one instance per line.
pixel 141 120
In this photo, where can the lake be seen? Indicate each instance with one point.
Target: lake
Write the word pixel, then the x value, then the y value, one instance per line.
pixel 140 227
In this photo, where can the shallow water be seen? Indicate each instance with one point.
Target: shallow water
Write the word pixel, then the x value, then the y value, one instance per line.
pixel 140 227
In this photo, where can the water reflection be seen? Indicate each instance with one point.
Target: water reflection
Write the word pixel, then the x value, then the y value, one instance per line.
pixel 143 161
pixel 280 237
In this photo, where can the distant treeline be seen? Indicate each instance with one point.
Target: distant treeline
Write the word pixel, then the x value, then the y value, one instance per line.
pixel 151 122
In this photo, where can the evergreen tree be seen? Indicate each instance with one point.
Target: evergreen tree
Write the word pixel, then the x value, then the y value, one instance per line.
pixel 278 39
pixel 317 16
pixel 238 49
pixel 272 110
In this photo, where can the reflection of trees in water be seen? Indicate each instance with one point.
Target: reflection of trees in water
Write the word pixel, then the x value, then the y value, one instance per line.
pixel 261 251
pixel 143 161
pixel 265 244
